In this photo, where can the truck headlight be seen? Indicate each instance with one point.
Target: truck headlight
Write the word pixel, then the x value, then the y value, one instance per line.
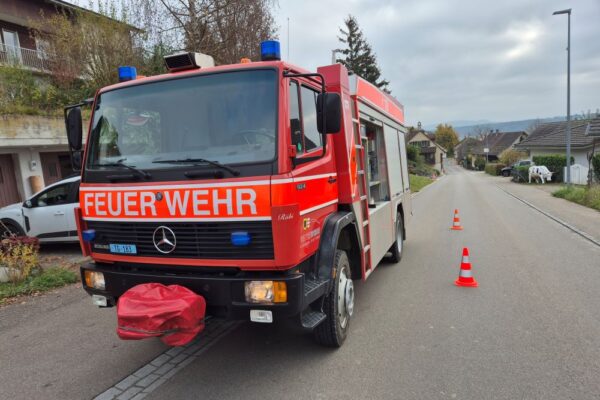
pixel 94 279
pixel 265 292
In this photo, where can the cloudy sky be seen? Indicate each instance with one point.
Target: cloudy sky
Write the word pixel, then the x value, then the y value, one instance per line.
pixel 451 60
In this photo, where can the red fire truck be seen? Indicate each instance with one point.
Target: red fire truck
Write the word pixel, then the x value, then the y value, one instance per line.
pixel 261 186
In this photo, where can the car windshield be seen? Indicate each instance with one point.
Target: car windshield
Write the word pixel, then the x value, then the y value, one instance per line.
pixel 228 118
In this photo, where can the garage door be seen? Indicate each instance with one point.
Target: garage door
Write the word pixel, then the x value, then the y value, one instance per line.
pixel 8 183
pixel 55 166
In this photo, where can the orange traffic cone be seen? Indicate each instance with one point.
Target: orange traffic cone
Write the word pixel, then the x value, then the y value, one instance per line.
pixel 465 277
pixel 456 223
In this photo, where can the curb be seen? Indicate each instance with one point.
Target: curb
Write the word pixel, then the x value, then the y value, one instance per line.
pixel 150 376
pixel 552 217
pixel 413 195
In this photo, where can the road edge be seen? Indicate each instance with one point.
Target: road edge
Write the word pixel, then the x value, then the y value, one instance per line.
pixel 581 233
pixel 421 191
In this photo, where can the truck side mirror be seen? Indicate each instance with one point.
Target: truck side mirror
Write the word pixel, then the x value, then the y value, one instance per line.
pixel 74 128
pixel 74 135
pixel 329 104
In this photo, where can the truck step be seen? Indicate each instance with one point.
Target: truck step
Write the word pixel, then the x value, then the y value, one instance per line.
pixel 314 289
pixel 311 319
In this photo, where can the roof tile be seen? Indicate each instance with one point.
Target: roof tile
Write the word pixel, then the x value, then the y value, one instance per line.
pixel 554 134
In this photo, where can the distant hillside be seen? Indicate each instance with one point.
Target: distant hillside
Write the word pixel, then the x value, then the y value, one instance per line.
pixel 508 126
pixel 460 122
pixel 472 128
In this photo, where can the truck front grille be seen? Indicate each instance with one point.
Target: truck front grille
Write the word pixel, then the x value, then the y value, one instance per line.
pixel 194 240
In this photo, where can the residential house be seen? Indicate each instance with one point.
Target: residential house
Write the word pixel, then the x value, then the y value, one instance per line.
pixel 433 153
pixel 33 149
pixel 464 148
pixel 496 142
pixel 550 138
pixel 593 129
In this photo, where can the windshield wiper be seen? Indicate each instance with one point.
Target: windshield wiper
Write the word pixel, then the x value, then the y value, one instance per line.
pixel 195 161
pixel 120 163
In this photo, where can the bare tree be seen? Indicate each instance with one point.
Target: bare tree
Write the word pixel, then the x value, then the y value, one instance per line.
pixel 86 47
pixel 481 131
pixel 226 29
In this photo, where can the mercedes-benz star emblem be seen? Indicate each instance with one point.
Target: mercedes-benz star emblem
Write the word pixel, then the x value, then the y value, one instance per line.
pixel 164 239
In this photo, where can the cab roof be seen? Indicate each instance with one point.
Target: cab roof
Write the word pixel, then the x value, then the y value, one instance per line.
pixel 280 65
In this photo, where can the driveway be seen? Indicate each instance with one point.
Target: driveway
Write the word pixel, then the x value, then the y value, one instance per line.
pixel 582 218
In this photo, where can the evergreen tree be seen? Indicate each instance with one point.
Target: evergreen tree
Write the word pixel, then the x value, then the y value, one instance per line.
pixel 358 54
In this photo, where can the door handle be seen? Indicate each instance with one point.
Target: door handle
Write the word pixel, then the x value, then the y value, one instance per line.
pixel 59 213
pixel 331 179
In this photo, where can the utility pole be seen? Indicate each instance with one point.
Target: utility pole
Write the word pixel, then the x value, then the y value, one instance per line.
pixel 568 12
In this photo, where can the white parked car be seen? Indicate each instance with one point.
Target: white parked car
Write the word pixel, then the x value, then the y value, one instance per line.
pixel 48 215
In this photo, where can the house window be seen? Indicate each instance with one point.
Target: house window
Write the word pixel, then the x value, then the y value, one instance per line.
pixel 421 143
pixel 11 45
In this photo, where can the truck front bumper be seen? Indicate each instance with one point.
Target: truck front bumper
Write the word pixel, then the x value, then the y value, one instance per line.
pixel 224 294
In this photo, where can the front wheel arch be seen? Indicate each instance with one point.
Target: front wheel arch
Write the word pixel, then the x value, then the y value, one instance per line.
pixel 10 223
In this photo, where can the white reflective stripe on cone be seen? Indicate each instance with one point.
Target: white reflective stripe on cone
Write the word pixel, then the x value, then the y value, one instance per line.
pixel 465 259
pixel 466 273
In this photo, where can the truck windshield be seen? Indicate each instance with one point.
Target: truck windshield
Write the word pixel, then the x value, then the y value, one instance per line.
pixel 228 118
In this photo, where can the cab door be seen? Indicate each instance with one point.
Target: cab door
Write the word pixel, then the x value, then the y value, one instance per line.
pixel 314 178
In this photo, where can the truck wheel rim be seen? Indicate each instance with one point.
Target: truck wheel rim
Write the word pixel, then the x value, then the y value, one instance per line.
pixel 350 297
pixel 345 298
pixel 399 238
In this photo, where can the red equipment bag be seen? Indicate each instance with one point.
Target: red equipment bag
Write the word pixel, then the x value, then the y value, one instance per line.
pixel 173 313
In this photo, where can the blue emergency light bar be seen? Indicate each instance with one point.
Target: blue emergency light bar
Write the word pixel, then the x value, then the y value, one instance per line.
pixel 127 73
pixel 270 50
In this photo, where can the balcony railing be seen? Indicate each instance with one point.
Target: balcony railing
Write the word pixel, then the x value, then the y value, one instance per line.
pixel 21 57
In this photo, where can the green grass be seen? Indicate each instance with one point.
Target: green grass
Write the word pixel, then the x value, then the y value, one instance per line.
pixel 51 278
pixel 418 182
pixel 589 197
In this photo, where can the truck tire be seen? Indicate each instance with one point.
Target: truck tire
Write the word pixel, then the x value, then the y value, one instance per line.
pixel 338 305
pixel 398 246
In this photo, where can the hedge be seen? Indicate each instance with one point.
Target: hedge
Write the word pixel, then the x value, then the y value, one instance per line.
pixel 412 153
pixel 494 168
pixel 555 163
pixel 520 174
pixel 480 163
pixel 596 166
pixel 420 169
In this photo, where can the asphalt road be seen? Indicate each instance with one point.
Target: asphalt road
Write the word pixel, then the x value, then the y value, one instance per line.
pixel 530 331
